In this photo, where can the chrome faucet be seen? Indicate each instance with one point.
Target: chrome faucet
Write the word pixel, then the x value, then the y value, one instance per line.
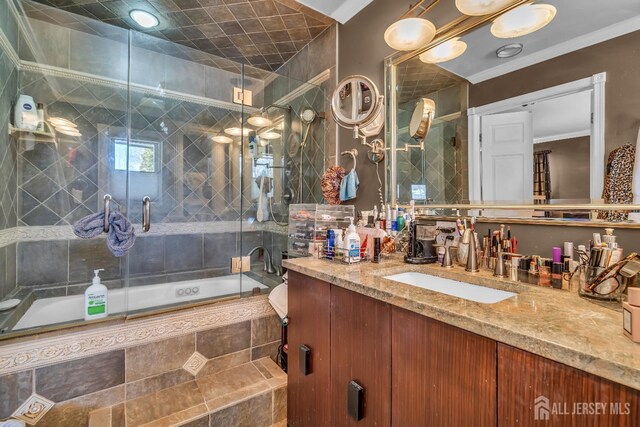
pixel 268 265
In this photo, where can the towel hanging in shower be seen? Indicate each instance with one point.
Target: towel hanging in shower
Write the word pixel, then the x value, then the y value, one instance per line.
pixel 120 237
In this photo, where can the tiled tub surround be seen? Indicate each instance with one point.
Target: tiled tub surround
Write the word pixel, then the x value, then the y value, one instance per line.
pixel 65 267
pixel 551 323
pixel 159 371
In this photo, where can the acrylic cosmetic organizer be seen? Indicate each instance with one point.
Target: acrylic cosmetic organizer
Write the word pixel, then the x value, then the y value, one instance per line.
pixel 309 223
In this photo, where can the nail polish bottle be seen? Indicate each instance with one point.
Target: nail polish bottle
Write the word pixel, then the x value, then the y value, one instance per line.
pixel 631 315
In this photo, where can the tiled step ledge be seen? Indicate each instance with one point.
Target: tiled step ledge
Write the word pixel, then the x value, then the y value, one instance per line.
pixel 34 352
pixel 12 235
pixel 252 393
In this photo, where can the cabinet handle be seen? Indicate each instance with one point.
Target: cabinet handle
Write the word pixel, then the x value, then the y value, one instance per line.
pixel 355 400
pixel 305 359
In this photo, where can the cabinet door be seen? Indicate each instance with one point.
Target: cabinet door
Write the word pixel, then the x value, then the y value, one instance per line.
pixel 308 403
pixel 360 352
pixel 441 375
pixel 535 391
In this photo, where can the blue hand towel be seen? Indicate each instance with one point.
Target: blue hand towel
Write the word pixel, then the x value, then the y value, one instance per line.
pixel 349 186
pixel 120 238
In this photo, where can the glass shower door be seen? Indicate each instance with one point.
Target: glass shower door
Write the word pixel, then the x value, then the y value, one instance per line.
pixel 178 103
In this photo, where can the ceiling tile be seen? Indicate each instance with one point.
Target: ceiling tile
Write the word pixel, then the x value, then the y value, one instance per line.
pixel 268 32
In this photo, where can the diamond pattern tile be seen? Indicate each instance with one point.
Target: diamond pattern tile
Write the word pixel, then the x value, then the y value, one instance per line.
pixel 33 409
pixel 261 33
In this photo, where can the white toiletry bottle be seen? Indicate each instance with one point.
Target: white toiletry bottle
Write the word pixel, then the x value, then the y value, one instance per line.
pixel 340 253
pixel 95 299
pixel 352 244
pixel 25 115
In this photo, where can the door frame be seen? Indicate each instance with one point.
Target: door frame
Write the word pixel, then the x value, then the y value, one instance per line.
pixel 595 83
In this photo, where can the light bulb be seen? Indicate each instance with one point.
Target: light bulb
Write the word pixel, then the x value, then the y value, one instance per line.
pixel 409 33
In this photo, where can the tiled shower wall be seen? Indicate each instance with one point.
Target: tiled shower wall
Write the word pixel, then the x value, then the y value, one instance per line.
pixel 439 165
pixel 65 267
pixel 8 152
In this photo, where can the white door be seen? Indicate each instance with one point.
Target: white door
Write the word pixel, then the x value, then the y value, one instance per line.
pixel 507 157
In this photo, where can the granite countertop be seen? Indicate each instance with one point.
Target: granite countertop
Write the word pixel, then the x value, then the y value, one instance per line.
pixel 556 324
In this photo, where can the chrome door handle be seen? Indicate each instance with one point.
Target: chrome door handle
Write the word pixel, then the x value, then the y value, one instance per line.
pixel 146 213
pixel 107 210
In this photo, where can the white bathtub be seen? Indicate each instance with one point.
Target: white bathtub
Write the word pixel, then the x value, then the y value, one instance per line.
pixel 48 311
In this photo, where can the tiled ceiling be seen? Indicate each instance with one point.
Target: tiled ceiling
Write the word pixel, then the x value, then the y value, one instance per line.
pixel 417 79
pixel 263 33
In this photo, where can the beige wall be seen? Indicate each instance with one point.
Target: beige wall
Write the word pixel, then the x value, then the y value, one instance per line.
pixel 569 167
pixel 619 57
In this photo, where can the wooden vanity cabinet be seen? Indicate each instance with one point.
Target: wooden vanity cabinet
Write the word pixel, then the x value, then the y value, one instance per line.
pixel 308 398
pixel 441 375
pixel 530 386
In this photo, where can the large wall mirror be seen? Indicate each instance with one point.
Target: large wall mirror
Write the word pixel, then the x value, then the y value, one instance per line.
pixel 551 117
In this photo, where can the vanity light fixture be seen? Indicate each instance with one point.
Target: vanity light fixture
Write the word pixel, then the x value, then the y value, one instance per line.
pixel 221 139
pixel 260 120
pixel 481 7
pixel 270 135
pixel 409 34
pixel 523 20
pixel 509 50
pixel 144 18
pixel 236 131
pixel 446 51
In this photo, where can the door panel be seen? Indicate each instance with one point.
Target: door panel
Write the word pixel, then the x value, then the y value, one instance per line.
pixel 360 352
pixel 309 321
pixel 507 157
pixel 441 375
pixel 536 391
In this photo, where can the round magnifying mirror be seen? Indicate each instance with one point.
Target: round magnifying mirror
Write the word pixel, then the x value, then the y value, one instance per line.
pixel 355 102
pixel 422 117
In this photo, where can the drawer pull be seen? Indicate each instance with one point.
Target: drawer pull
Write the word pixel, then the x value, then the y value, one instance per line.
pixel 355 400
pixel 305 359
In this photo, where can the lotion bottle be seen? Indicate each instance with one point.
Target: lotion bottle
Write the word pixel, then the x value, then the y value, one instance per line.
pixel 352 244
pixel 95 299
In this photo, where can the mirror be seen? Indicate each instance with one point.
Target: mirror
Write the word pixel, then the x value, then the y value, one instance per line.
pixel 356 103
pixel 421 119
pixel 547 123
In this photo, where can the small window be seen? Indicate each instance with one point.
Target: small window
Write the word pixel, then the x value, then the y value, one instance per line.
pixel 143 156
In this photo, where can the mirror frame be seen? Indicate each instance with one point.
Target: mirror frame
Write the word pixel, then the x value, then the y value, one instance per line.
pixel 376 104
pixel 459 27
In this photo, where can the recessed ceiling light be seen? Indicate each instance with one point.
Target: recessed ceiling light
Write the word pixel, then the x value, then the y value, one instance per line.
pixel 59 121
pixel 481 7
pixel 270 135
pixel 523 20
pixel 260 120
pixel 444 52
pixel 409 33
pixel 221 139
pixel 509 50
pixel 144 18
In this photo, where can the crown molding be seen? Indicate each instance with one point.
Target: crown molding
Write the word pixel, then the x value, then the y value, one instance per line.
pixel 602 35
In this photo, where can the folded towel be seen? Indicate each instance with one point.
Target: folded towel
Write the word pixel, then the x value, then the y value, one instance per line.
pixel 121 235
pixel 349 186
pixel 90 226
pixel 120 238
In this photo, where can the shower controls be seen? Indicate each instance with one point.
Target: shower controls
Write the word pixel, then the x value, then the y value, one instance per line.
pixel 187 291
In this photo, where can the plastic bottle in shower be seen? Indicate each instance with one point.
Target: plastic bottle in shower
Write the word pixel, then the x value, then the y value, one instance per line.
pixel 95 299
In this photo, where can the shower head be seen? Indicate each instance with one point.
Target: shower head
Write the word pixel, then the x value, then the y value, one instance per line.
pixel 308 115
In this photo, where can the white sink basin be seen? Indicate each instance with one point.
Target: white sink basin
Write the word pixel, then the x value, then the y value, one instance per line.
pixel 453 287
